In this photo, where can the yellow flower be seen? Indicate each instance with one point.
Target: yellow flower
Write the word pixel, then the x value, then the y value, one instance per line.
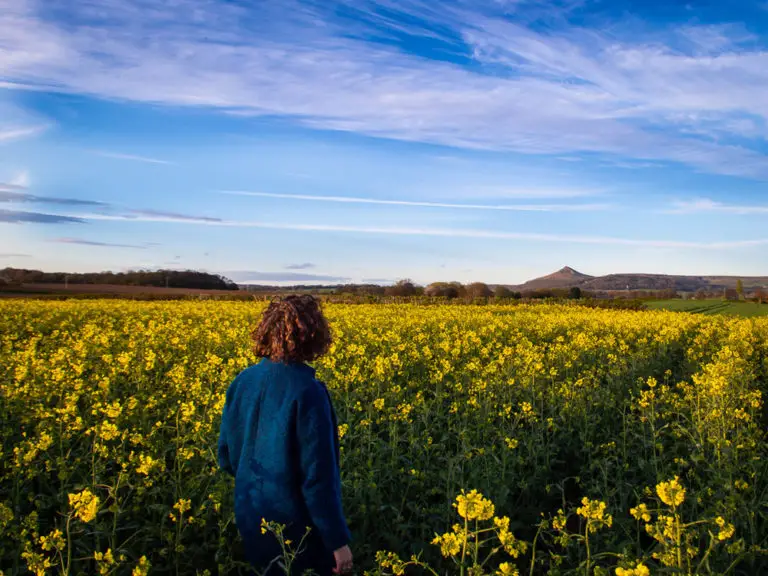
pixel 639 570
pixel 473 506
pixel 391 560
pixel 343 428
pixel 741 485
pixel 592 509
pixel 726 531
pixel 6 515
pixel 379 404
pixel 105 561
pixel 113 410
pixel 54 541
pixel 109 431
pixel 142 568
pixel 640 513
pixel 511 545
pixel 36 563
pixel 671 493
pixel 183 505
pixel 594 512
pixel 450 543
pixel 147 465
pixel 559 521
pixel 511 443
pixel 85 505
pixel 501 523
pixel 507 569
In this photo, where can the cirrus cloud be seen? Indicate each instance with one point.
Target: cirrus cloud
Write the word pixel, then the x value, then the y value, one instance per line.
pixel 495 82
pixel 436 232
pixel 100 244
pixel 18 217
pixel 253 276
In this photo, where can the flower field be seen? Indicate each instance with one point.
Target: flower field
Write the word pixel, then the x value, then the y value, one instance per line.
pixel 475 440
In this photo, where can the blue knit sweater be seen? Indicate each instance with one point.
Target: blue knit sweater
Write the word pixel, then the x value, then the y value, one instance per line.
pixel 279 440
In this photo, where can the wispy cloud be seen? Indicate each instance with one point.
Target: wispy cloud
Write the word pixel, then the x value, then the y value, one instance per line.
pixel 8 134
pixel 448 232
pixel 14 255
pixel 21 180
pixel 557 90
pixel 133 157
pixel 304 266
pixel 84 242
pixel 9 193
pixel 250 276
pixel 171 216
pixel 16 217
pixel 631 165
pixel 706 205
pixel 424 204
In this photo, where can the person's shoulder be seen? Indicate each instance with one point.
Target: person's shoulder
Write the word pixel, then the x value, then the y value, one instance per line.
pixel 253 373
pixel 292 379
pixel 312 392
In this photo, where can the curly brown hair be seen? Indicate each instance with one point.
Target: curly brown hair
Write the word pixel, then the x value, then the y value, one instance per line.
pixel 292 329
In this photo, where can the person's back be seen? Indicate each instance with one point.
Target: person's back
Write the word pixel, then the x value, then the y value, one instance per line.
pixel 278 438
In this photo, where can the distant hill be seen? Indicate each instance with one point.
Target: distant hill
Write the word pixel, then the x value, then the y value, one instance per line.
pixel 568 277
pixel 563 278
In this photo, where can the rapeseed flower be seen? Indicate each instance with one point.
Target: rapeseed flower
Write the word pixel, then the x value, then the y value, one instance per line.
pixel 473 506
pixel 639 570
pixel 85 505
pixel 671 493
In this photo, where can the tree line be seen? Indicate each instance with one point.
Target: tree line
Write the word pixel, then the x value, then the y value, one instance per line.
pixel 156 278
pixel 455 290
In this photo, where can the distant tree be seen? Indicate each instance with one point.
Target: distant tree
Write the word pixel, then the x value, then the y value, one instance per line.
pixel 447 290
pixel 574 293
pixel 436 289
pixel 359 289
pixel 503 293
pixel 478 290
pixel 761 296
pixel 404 287
pixel 740 289
pixel 541 294
pixel 158 278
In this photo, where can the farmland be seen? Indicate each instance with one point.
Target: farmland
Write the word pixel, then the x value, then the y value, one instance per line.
pixel 602 441
pixel 742 309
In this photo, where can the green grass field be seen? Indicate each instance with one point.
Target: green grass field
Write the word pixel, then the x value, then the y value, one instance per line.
pixel 743 309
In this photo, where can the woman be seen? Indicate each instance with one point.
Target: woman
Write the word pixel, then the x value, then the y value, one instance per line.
pixel 279 440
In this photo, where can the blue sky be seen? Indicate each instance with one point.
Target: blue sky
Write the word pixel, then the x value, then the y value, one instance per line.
pixel 370 140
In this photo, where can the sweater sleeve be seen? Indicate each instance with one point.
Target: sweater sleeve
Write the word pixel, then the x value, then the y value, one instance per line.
pixel 224 462
pixel 321 483
pixel 223 450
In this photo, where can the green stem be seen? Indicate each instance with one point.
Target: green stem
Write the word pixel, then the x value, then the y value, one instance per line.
pixel 464 547
pixel 115 514
pixel 586 542
pixel 706 554
pixel 677 542
pixel 69 547
pixel 533 549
